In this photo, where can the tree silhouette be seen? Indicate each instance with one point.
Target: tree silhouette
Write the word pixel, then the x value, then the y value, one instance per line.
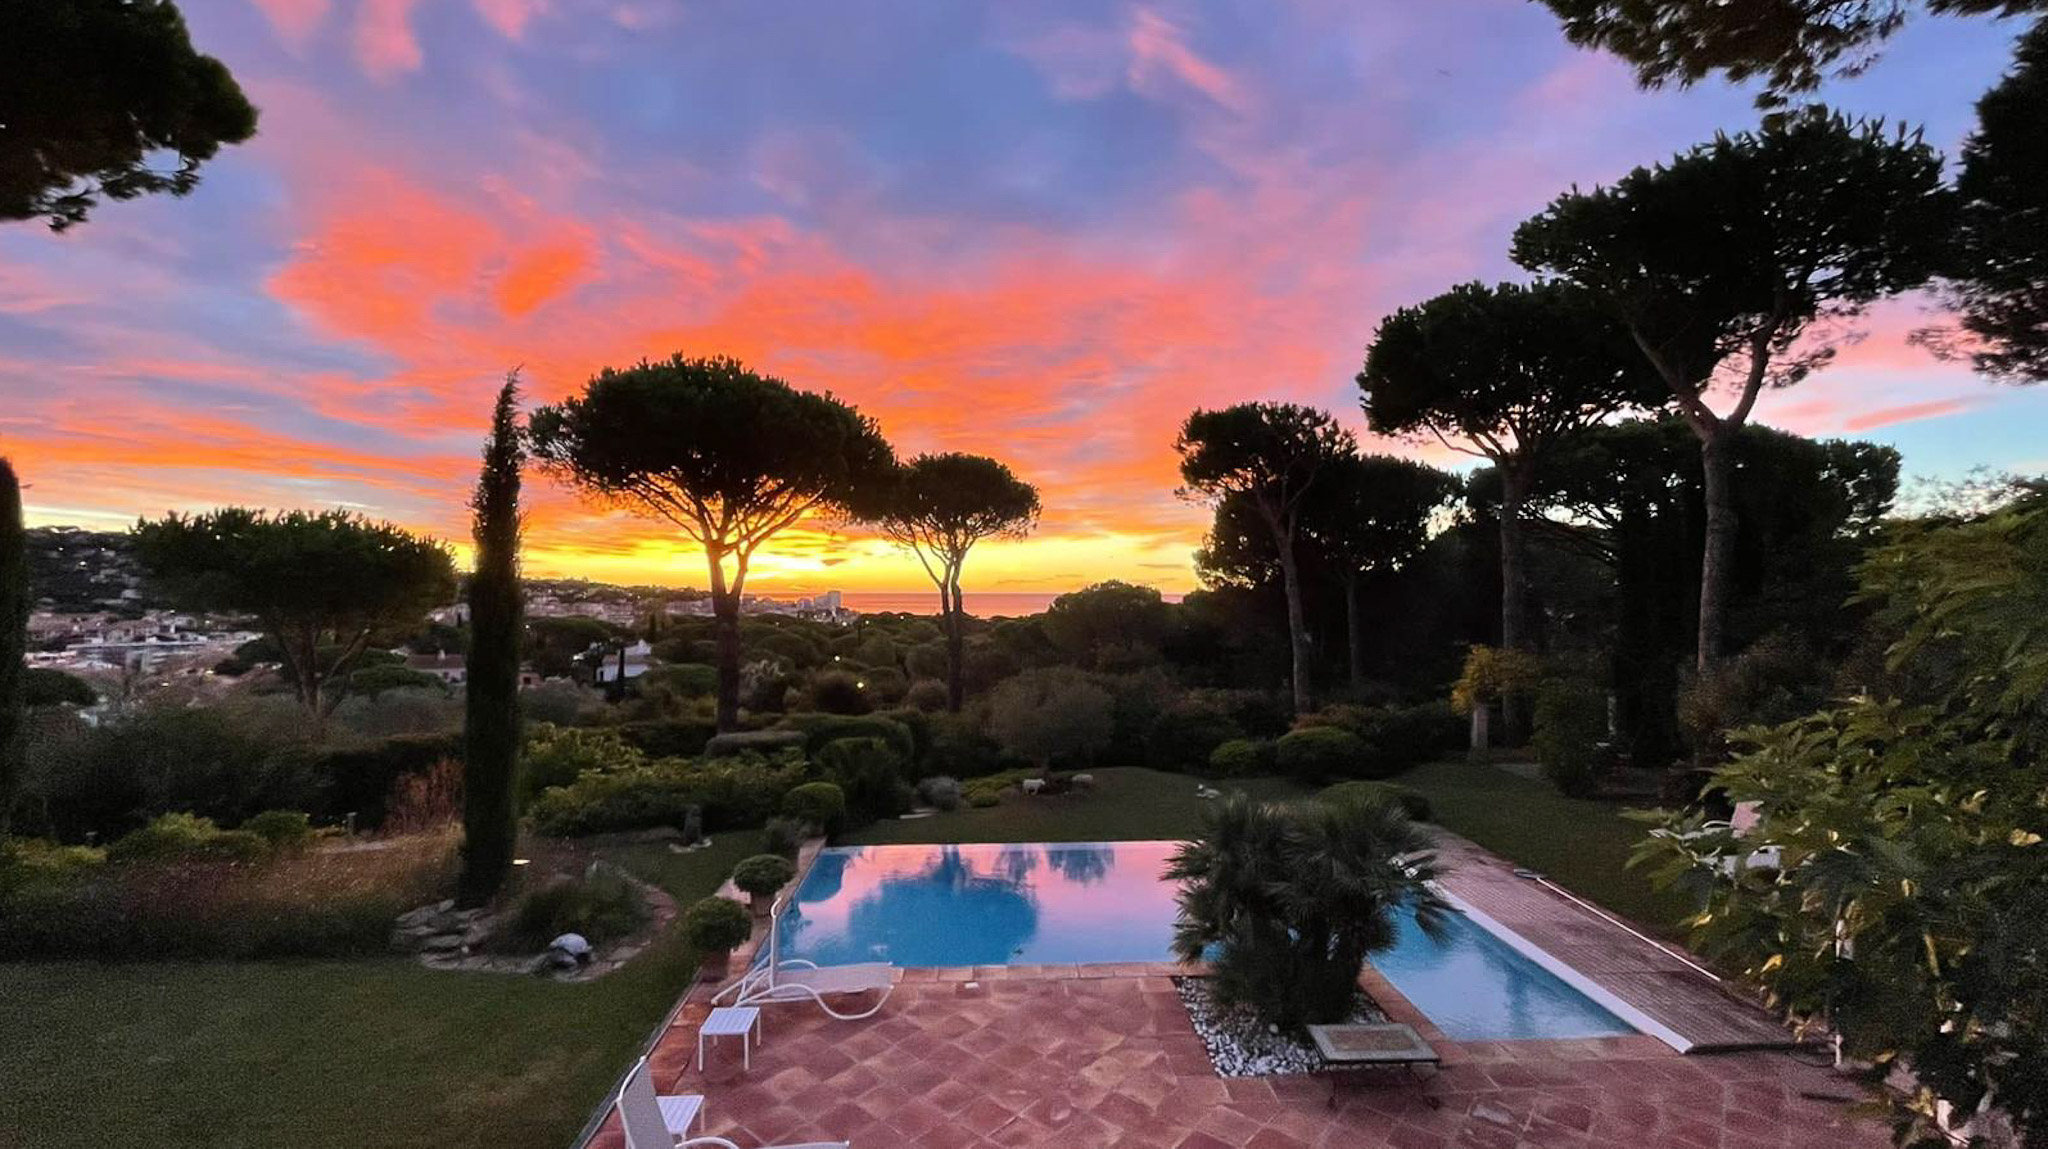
pixel 939 506
pixel 90 90
pixel 728 456
pixel 491 721
pixel 1721 259
pixel 1270 454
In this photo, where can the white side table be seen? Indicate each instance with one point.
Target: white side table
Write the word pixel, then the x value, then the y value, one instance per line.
pixel 732 1021
pixel 680 1110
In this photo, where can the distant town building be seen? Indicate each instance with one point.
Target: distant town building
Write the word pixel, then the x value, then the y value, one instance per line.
pixel 638 657
pixel 449 668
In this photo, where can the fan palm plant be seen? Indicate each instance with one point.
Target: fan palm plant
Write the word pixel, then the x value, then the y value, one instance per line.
pixel 1287 901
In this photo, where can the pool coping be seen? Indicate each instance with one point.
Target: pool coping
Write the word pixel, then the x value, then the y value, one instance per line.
pixel 1595 992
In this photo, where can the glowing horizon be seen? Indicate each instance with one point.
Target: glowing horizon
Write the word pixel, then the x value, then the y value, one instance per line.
pixel 1043 234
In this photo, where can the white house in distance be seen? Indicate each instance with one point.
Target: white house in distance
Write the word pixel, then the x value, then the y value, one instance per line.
pixel 638 657
pixel 451 669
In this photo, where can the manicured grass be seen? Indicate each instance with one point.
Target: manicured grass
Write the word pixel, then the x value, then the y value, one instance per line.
pixel 357 1054
pixel 1127 802
pixel 1581 845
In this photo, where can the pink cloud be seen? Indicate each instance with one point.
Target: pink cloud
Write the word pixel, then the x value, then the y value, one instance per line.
pixel 1907 413
pixel 385 43
pixel 1158 46
pixel 509 17
pixel 295 21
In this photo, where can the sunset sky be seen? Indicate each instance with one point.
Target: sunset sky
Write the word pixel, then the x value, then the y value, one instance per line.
pixel 1037 230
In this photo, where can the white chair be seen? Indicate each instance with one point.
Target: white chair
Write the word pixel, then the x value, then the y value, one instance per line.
pixel 655 1122
pixel 723 1143
pixel 774 979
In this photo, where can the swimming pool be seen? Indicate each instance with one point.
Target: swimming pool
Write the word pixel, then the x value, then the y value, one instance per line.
pixel 1088 902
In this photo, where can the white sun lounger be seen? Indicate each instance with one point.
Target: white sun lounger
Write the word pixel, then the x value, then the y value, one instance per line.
pixel 722 1143
pixel 651 1121
pixel 776 979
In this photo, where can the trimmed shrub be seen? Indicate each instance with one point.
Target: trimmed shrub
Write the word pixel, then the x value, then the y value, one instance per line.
pixel 1319 754
pixel 920 726
pixel 558 755
pixel 1414 804
pixel 983 799
pixel 1189 729
pixel 1240 757
pixel 820 730
pixel 686 679
pixel 361 779
pixel 1397 737
pixel 940 793
pixel 960 748
pixel 1052 716
pixel 763 874
pixel 178 836
pixel 819 804
pixel 763 742
pixel 728 793
pixel 871 774
pixel 671 737
pixel 839 692
pixel 1571 722
pixel 884 685
pixel 784 836
pixel 281 829
pixel 602 907
pixel 928 695
pixel 717 925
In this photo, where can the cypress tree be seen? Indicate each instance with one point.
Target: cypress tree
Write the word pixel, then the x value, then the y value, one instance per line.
pixel 13 642
pixel 490 818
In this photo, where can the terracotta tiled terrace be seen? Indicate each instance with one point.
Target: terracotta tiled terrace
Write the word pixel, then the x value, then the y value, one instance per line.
pixel 1087 1056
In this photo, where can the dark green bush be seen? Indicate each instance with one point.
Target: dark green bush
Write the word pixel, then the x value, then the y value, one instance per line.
pixel 820 729
pixel 282 829
pixel 1319 754
pixel 840 692
pixel 763 874
pixel 819 804
pixel 1239 758
pixel 685 679
pixel 729 792
pixel 558 755
pixel 670 737
pixel 175 837
pixel 602 907
pixel 784 836
pixel 1571 723
pixel 920 726
pixel 928 695
pixel 765 742
pixel 717 925
pixel 1189 730
pixel 1397 738
pixel 960 748
pixel 871 774
pixel 360 779
pixel 1414 804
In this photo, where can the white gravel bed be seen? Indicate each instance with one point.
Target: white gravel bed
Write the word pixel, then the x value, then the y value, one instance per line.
pixel 1240 1045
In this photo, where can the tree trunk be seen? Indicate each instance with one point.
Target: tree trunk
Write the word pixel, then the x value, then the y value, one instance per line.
pixel 956 646
pixel 1514 593
pixel 1354 628
pixel 1717 463
pixel 14 603
pixel 1297 624
pixel 725 626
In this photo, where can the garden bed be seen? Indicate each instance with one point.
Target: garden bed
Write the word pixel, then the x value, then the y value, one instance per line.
pixel 1241 1045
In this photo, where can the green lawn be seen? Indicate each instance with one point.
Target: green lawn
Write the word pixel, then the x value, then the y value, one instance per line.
pixel 1580 845
pixel 1128 802
pixel 314 1054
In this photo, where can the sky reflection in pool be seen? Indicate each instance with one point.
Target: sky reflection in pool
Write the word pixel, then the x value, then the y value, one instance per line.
pixel 1032 904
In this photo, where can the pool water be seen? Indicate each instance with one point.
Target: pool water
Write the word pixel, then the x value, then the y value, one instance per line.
pixel 1091 902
